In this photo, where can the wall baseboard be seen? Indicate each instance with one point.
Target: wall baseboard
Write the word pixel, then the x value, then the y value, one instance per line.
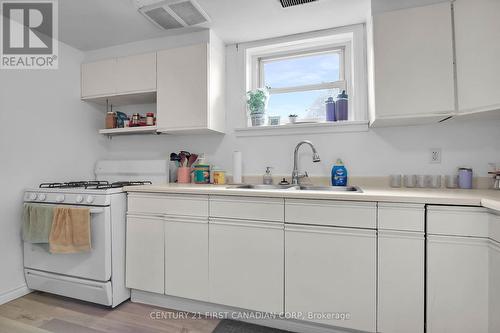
pixel 12 294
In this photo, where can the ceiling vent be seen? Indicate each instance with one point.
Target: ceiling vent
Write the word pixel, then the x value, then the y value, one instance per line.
pixel 290 3
pixel 175 14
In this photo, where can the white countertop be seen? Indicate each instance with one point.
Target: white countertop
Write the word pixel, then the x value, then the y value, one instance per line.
pixel 486 198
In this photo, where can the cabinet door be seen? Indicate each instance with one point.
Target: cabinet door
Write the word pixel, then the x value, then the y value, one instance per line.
pixel 246 264
pixel 414 75
pixel 145 254
pixel 183 88
pixel 457 284
pixel 136 73
pixel 494 263
pixel 186 257
pixel 98 78
pixel 331 271
pixel 400 282
pixel 477 35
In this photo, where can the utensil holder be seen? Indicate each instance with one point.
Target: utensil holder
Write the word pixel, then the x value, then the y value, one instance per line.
pixel 184 175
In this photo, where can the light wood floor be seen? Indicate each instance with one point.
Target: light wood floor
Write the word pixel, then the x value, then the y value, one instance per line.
pixel 44 313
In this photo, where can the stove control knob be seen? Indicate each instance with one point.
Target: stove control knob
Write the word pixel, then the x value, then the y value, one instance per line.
pixel 33 196
pixel 79 199
pixel 42 197
pixel 90 199
pixel 60 198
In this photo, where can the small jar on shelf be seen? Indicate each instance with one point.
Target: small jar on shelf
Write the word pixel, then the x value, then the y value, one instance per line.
pixel 110 120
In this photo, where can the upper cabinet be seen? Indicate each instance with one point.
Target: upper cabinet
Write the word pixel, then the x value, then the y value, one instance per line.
pixel 413 66
pixel 98 78
pixel 187 84
pixel 191 89
pixel 135 74
pixel 477 36
pixel 119 76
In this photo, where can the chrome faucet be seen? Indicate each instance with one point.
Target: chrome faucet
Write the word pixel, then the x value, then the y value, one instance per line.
pixel 295 173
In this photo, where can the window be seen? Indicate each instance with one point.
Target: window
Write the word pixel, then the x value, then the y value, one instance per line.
pixel 302 71
pixel 300 82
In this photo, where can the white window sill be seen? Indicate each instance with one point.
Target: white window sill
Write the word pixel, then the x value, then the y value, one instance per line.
pixel 304 128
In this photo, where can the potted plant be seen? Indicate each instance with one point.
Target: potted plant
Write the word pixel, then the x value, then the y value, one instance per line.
pixel 257 103
pixel 292 118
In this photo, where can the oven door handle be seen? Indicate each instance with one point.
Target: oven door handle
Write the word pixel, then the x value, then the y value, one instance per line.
pixel 97 211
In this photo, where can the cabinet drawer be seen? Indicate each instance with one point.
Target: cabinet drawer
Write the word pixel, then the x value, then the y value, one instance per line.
pixel 331 213
pixel 248 208
pixel 399 216
pixel 458 221
pixel 188 205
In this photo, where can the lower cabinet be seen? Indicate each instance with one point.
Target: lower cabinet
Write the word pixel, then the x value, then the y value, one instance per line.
pixel 186 257
pixel 401 281
pixel 494 285
pixel 330 275
pixel 457 284
pixel 246 264
pixel 401 268
pixel 145 261
pixel 458 269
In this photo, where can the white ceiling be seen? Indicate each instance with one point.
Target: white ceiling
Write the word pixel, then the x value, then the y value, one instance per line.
pixel 93 24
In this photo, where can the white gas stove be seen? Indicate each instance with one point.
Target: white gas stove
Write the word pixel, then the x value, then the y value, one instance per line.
pixel 99 275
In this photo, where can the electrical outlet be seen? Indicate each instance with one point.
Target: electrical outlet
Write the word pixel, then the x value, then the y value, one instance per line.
pixel 435 157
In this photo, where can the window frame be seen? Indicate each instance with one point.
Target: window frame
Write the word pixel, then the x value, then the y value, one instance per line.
pixel 340 84
pixel 356 61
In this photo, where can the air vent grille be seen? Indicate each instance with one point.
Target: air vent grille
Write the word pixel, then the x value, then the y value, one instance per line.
pixel 174 14
pixel 188 13
pixel 163 18
pixel 290 3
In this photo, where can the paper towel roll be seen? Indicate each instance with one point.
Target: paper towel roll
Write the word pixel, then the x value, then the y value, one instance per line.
pixel 237 167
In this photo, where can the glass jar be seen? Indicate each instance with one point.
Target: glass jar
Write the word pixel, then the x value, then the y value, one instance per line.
pixel 110 120
pixel 150 119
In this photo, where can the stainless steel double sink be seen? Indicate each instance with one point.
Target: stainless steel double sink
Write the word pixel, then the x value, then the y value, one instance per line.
pixel 297 188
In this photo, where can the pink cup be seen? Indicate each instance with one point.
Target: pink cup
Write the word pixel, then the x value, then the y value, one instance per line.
pixel 184 175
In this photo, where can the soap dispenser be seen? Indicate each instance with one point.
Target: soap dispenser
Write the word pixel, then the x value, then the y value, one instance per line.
pixel 267 179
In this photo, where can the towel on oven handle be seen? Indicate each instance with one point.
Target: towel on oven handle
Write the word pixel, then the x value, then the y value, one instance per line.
pixel 70 231
pixel 37 223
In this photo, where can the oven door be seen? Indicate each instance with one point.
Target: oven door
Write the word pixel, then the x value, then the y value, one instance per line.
pixel 93 265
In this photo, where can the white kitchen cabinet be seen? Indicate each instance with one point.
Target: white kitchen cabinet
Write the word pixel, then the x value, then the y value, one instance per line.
pixel 413 66
pixel 246 264
pixel 400 281
pixel 494 277
pixel 477 36
pixel 186 257
pixel 458 254
pixel 98 78
pixel 457 284
pixel 331 271
pixel 121 81
pixel 401 266
pixel 135 74
pixel 191 88
pixel 145 262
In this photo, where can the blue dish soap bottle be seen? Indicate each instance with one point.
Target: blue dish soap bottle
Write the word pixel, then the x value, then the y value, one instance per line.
pixel 339 174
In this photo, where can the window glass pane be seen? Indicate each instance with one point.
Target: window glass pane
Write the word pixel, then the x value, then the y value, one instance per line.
pixel 308 105
pixel 313 69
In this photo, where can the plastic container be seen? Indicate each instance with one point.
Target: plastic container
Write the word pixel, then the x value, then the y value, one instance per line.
pixel 465 178
pixel 339 174
pixel 330 109
pixel 342 106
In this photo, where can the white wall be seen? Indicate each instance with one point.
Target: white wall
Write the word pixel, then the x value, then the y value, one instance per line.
pixel 378 152
pixel 46 134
